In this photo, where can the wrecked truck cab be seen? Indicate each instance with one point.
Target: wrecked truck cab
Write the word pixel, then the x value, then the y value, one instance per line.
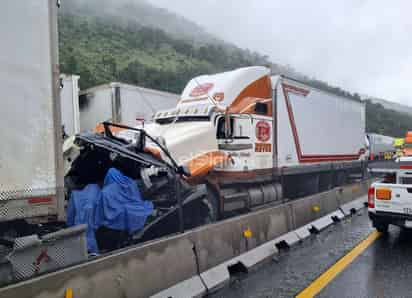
pixel 177 206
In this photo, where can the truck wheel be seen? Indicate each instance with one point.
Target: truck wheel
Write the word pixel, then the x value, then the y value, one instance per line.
pixel 381 227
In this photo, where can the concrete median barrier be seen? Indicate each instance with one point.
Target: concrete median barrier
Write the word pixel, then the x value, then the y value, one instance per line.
pixel 200 259
pixel 134 272
pixel 308 209
pixel 303 232
pixel 287 239
pixel 222 241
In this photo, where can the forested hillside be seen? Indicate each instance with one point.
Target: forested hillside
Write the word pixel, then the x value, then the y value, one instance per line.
pixel 104 43
pixel 387 122
pixel 101 51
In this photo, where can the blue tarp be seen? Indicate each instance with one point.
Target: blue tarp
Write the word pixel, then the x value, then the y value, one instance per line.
pixel 81 210
pixel 118 205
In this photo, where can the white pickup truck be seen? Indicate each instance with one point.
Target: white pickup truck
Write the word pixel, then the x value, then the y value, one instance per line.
pixel 390 200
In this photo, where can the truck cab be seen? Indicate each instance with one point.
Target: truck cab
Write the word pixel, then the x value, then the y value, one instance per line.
pixel 390 200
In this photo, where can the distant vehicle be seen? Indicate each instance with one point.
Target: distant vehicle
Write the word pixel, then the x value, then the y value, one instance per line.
pixel 398 144
pixel 121 103
pixel 407 146
pixel 380 147
pixel 389 200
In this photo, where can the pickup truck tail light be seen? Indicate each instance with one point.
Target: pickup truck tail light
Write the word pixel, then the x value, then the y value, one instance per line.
pixel 384 194
pixel 371 197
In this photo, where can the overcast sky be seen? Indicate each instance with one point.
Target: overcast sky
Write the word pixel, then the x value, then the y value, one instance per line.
pixel 362 46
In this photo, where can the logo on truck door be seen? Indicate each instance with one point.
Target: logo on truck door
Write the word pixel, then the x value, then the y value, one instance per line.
pixel 263 131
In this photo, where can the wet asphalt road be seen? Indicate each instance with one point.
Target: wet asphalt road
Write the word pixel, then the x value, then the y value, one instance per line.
pixel 384 269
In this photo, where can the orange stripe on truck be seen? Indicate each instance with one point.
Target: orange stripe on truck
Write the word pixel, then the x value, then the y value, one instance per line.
pixel 201 165
pixel 259 90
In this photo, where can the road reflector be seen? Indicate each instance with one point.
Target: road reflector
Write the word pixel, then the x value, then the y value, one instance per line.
pixel 247 233
pixel 383 194
pixel 316 208
pixel 69 293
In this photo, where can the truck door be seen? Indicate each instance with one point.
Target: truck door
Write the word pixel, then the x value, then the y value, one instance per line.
pixel 234 136
pixel 263 138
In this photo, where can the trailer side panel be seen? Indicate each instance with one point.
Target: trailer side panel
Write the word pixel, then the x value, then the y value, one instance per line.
pixel 30 121
pixel 317 126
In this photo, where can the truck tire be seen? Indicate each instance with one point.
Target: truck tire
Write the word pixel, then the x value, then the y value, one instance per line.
pixel 381 227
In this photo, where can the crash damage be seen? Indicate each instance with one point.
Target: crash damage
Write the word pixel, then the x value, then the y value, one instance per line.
pixel 154 187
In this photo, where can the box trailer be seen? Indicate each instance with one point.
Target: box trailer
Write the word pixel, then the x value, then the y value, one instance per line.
pixel 316 126
pixel 31 176
pixel 121 103
pixel 69 98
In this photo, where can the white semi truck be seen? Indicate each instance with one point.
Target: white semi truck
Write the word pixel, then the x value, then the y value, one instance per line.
pixel 284 138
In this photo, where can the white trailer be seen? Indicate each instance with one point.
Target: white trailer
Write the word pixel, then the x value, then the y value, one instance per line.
pixel 31 175
pixel 316 126
pixel 121 103
pixel 69 98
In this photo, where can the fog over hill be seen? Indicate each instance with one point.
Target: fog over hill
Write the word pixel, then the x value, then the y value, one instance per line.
pixel 391 105
pixel 135 42
pixel 142 13
pixel 361 46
